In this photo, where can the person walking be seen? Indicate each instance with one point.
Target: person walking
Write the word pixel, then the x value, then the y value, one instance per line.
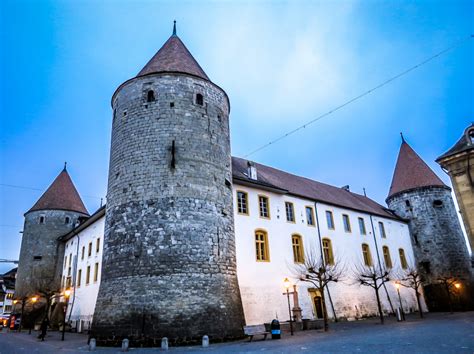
pixel 44 328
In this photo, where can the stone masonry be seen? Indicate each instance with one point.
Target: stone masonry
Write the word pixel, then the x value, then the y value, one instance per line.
pixel 169 267
pixel 41 254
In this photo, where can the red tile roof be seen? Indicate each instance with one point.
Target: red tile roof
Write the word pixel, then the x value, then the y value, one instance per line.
pixel 61 195
pixel 269 177
pixel 412 172
pixel 173 57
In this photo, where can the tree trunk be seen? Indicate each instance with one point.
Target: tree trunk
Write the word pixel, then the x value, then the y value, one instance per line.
pixel 325 311
pixel 419 303
pixel 449 299
pixel 379 305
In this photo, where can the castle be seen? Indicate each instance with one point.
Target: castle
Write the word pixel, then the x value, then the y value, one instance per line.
pixel 193 241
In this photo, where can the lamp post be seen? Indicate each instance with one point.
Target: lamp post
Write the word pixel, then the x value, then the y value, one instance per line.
pixel 67 293
pixel 33 300
pixel 397 285
pixel 287 285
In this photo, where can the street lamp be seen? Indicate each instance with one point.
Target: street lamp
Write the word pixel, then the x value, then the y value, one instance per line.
pixel 457 286
pixel 397 285
pixel 287 285
pixel 67 293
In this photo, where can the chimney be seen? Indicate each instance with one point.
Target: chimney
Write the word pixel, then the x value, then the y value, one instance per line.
pixel 251 170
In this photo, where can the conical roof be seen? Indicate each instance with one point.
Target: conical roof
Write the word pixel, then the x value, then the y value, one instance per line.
pixel 61 195
pixel 412 172
pixel 173 56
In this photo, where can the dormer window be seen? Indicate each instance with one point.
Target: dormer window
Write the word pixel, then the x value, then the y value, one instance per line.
pixel 150 96
pixel 470 135
pixel 251 170
pixel 199 99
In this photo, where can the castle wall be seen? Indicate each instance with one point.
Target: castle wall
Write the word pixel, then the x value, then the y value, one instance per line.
pixel 169 251
pixel 41 255
pixel 438 241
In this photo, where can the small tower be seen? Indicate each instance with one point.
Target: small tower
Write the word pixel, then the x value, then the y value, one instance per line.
pixel 53 215
pixel 418 195
pixel 169 267
pixel 458 163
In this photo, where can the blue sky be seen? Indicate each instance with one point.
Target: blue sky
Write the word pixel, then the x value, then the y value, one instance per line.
pixel 281 63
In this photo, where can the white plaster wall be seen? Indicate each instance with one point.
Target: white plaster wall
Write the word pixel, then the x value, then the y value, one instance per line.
pixel 261 283
pixel 83 298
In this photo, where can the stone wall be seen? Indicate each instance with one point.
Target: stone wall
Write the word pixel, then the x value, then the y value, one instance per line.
pixel 41 255
pixel 169 265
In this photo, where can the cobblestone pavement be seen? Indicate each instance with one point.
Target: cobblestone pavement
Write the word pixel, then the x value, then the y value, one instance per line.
pixel 437 333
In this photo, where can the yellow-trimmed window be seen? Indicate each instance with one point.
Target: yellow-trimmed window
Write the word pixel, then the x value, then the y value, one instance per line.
pixel 96 272
pixel 386 257
pixel 89 250
pixel 366 255
pixel 403 260
pixel 88 275
pixel 310 216
pixel 242 203
pixel 290 212
pixel 347 223
pixel 261 246
pixel 97 245
pixel 330 220
pixel 382 230
pixel 79 278
pixel 298 251
pixel 327 251
pixel 264 205
pixel 362 229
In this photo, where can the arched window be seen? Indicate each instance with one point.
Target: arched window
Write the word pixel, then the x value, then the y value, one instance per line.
pixel 366 254
pixel 403 260
pixel 298 252
pixel 327 251
pixel 386 257
pixel 261 246
pixel 199 99
pixel 150 96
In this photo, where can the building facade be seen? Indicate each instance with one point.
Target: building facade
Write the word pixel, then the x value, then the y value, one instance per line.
pixel 457 162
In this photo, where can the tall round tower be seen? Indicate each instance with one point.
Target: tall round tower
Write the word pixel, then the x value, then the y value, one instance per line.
pixel 41 256
pixel 418 195
pixel 169 267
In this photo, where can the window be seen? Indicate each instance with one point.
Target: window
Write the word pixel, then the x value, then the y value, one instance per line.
pixel 362 229
pixel 199 99
pixel 97 245
pixel 37 258
pixel 366 254
pixel 261 246
pixel 382 230
pixel 65 262
pixel 68 282
pixel 330 219
pixel 264 206
pixel 42 219
pixel 290 212
pixel 88 275
pixel 83 252
pixel 298 252
pixel 7 308
pixel 347 222
pixel 79 278
pixel 327 251
pixel 438 203
pixel 150 96
pixel 70 259
pixel 67 220
pixel 407 203
pixel 89 252
pixel 386 257
pixel 309 216
pixel 403 260
pixel 242 203
pixel 96 272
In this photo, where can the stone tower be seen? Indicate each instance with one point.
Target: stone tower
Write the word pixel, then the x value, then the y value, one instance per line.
pixel 41 256
pixel 169 267
pixel 458 162
pixel 417 194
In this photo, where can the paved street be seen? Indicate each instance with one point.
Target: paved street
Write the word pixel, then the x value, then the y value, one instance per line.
pixel 438 333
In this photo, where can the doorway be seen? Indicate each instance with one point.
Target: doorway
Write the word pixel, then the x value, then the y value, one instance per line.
pixel 317 302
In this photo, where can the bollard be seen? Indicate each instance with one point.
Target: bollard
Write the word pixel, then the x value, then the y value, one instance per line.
pixel 125 345
pixel 92 344
pixel 164 343
pixel 205 341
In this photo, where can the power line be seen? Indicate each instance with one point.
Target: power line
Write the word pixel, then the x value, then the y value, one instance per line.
pixel 38 189
pixel 386 82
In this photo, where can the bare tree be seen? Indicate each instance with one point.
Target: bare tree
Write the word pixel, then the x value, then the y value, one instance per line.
pixel 319 273
pixel 43 285
pixel 411 278
pixel 374 277
pixel 449 284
